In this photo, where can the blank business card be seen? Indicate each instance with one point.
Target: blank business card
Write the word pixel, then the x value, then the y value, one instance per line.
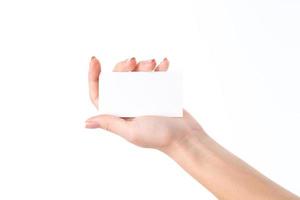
pixel 132 94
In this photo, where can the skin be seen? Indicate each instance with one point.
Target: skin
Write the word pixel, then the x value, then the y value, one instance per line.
pixel 184 140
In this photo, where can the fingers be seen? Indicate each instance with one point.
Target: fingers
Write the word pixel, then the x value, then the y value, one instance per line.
pixel 145 66
pixel 110 123
pixel 126 65
pixel 94 72
pixel 163 66
pixel 142 66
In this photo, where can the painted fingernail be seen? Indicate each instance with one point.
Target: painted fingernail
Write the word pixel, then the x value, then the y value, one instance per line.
pixel 131 60
pixel 149 61
pixel 91 124
pixel 165 59
pixel 93 57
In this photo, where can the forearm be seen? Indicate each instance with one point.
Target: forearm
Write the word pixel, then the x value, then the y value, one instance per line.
pixel 222 173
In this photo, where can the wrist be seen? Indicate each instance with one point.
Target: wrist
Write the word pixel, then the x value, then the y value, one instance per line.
pixel 193 143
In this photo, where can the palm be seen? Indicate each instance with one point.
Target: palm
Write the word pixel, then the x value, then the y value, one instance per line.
pixel 155 131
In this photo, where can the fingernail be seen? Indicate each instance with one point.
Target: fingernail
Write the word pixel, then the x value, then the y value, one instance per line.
pixel 93 57
pixel 149 61
pixel 131 60
pixel 91 124
pixel 165 59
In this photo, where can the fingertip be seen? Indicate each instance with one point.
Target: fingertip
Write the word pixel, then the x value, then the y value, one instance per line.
pixel 126 65
pixel 131 60
pixel 110 123
pixel 91 124
pixel 93 59
pixel 166 59
pixel 146 65
pixel 95 66
pixel 164 65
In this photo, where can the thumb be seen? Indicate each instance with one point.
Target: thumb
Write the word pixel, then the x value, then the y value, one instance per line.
pixel 110 123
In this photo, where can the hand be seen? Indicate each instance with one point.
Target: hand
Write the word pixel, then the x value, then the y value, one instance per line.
pixel 145 131
pixel 183 139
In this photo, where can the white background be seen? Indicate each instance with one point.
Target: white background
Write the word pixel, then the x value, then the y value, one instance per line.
pixel 241 82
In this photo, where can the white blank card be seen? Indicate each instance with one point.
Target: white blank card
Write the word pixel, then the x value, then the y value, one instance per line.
pixel 132 94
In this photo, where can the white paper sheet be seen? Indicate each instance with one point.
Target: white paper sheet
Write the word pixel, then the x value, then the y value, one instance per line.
pixel 132 94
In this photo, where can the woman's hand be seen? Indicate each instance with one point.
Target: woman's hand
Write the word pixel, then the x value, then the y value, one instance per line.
pixel 145 131
pixel 183 139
